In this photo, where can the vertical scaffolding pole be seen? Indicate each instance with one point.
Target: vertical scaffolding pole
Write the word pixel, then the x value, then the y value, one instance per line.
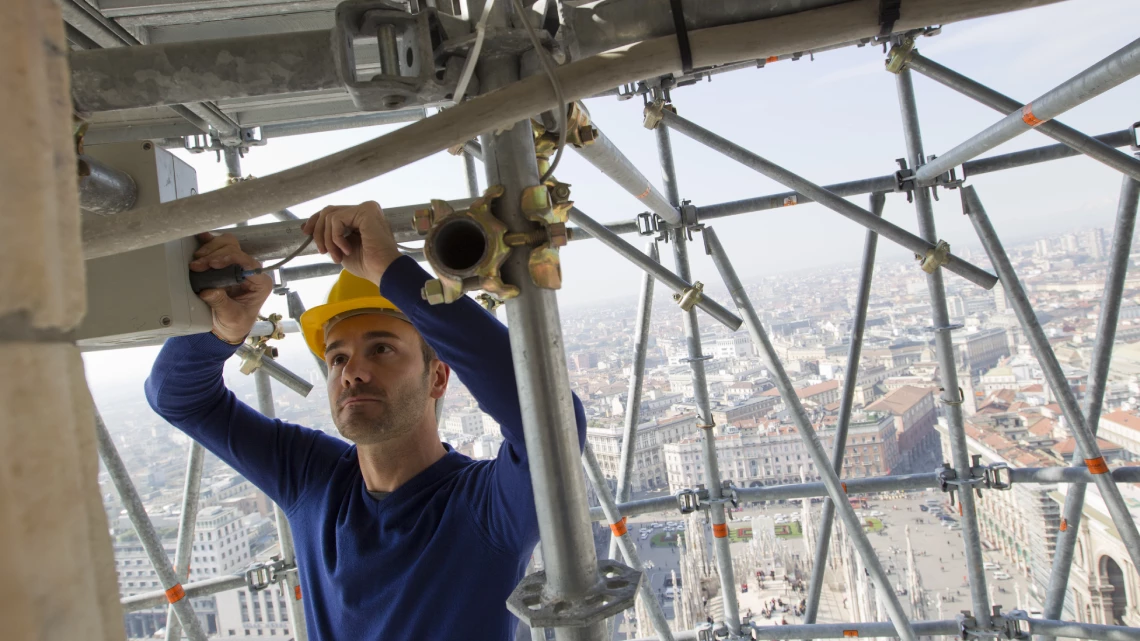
pixel 232 158
pixel 292 580
pixel 190 492
pixel 951 396
pixel 625 542
pixel 542 379
pixel 148 536
pixel 1054 376
pixel 851 375
pixel 811 441
pixel 701 396
pixel 472 175
pixel 636 379
pixel 1098 378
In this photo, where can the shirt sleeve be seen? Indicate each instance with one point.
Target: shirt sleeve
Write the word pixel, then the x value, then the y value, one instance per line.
pixel 186 388
pixel 478 349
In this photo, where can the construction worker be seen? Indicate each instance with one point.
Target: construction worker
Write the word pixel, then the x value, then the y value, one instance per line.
pixel 397 535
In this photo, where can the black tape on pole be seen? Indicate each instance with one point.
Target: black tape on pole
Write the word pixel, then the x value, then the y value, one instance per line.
pixel 682 35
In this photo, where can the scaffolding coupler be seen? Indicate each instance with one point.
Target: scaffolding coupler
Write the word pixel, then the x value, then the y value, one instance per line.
pixel 614 592
pixel 1001 626
pixel 262 575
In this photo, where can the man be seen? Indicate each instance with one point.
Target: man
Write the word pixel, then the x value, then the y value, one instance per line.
pixel 397 535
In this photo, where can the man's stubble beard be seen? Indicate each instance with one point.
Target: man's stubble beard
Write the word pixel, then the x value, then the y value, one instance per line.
pixel 395 416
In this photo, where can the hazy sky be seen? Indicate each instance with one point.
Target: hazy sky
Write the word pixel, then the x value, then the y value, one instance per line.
pixel 832 119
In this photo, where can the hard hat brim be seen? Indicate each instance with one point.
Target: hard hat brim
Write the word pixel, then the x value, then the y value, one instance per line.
pixel 313 321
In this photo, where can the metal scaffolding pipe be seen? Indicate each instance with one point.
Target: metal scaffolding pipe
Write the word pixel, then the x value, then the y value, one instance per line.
pixel 173 591
pixel 292 587
pixel 636 380
pixel 625 542
pixel 104 190
pixel 1075 630
pixel 811 440
pixel 173 73
pixel 205 587
pixel 944 348
pixel 820 195
pixel 542 378
pixel 1077 475
pixel 276 240
pixel 191 490
pixel 1078 141
pixel 339 123
pixel 1094 398
pixel 278 372
pixel 608 159
pixel 661 273
pixel 472 175
pixel 1054 375
pixel 850 376
pixel 846 22
pixel 705 422
pixel 1118 67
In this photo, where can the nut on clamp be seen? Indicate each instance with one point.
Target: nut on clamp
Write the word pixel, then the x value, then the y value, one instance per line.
pixel 934 257
pixel 653 113
pixel 259 346
pixel 899 54
pixel 549 206
pixel 691 296
pixel 466 248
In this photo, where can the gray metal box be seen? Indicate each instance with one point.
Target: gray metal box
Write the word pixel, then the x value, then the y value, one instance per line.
pixel 142 297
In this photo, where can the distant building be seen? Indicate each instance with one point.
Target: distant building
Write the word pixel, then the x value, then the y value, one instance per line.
pixel 1122 428
pixel 982 349
pixel 955 307
pixel 738 345
pixel 915 413
pixel 753 409
pixel 465 422
pixel 820 394
pixel 648 461
pixel 584 360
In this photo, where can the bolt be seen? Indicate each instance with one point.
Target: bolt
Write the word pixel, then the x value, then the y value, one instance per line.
pixel 421 220
pixel 676 297
pixel 148 145
pixel 587 134
pixel 560 192
pixel 519 238
pixel 432 292
pixel 558 235
pixel 165 321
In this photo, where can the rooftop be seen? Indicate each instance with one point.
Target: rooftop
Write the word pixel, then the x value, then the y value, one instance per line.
pixel 901 400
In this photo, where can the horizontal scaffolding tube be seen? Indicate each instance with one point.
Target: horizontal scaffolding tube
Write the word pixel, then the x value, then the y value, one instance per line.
pixel 659 271
pixel 608 159
pixel 205 587
pixel 1120 66
pixel 152 224
pixel 843 207
pixel 875 484
pixel 175 73
pixel 950 628
pixel 339 123
pixel 1065 134
pixel 279 373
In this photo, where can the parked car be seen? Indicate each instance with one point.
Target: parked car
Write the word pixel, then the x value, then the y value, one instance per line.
pixel 990 565
pixel 1002 576
pixel 924 508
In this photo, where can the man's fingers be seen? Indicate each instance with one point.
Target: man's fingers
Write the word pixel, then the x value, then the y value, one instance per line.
pixel 329 238
pixel 340 232
pixel 223 258
pixel 214 243
pixel 318 232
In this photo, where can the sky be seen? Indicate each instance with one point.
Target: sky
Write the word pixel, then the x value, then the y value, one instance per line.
pixel 831 119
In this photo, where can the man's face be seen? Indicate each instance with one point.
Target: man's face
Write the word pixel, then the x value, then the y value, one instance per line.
pixel 379 386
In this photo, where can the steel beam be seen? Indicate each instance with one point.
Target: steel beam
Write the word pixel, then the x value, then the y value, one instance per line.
pixel 1062 133
pixel 625 542
pixel 173 591
pixel 292 578
pixel 820 195
pixel 1094 399
pixel 636 381
pixel 608 159
pixel 543 382
pixel 191 490
pixel 1118 67
pixel 811 440
pixel 1054 375
pixel 674 282
pixel 679 238
pixel 185 72
pixel 944 348
pixel 850 377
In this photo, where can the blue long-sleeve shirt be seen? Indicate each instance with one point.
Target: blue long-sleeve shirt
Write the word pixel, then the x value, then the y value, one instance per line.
pixel 437 557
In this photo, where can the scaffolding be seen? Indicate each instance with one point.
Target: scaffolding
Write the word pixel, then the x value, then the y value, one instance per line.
pixel 576 592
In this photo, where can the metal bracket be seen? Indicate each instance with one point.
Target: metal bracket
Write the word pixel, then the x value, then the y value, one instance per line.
pixel 614 593
pixel 262 575
pixel 549 206
pixel 688 214
pixel 198 143
pixel 483 273
pixel 688 501
pixel 653 111
pixel 650 224
pixel 935 257
pixel 1001 626
pixel 690 297
pixel 251 360
pixel 409 71
pixel 998 477
pixel 899 54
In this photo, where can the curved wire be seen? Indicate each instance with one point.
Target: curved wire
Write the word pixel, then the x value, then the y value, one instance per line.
pixel 547 63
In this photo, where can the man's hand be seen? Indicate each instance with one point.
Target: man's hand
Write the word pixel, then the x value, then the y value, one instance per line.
pixel 234 308
pixel 358 237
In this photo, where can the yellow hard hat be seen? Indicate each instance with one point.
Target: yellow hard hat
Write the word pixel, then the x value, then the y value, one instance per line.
pixel 349 294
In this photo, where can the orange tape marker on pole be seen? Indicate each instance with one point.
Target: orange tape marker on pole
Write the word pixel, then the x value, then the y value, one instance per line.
pixel 850 633
pixel 1028 118
pixel 720 530
pixel 1097 465
pixel 618 528
pixel 1064 524
pixel 844 486
pixel 297 592
pixel 645 193
pixel 772 59
pixel 175 593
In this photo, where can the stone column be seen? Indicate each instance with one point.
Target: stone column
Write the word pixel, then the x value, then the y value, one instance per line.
pixel 55 553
